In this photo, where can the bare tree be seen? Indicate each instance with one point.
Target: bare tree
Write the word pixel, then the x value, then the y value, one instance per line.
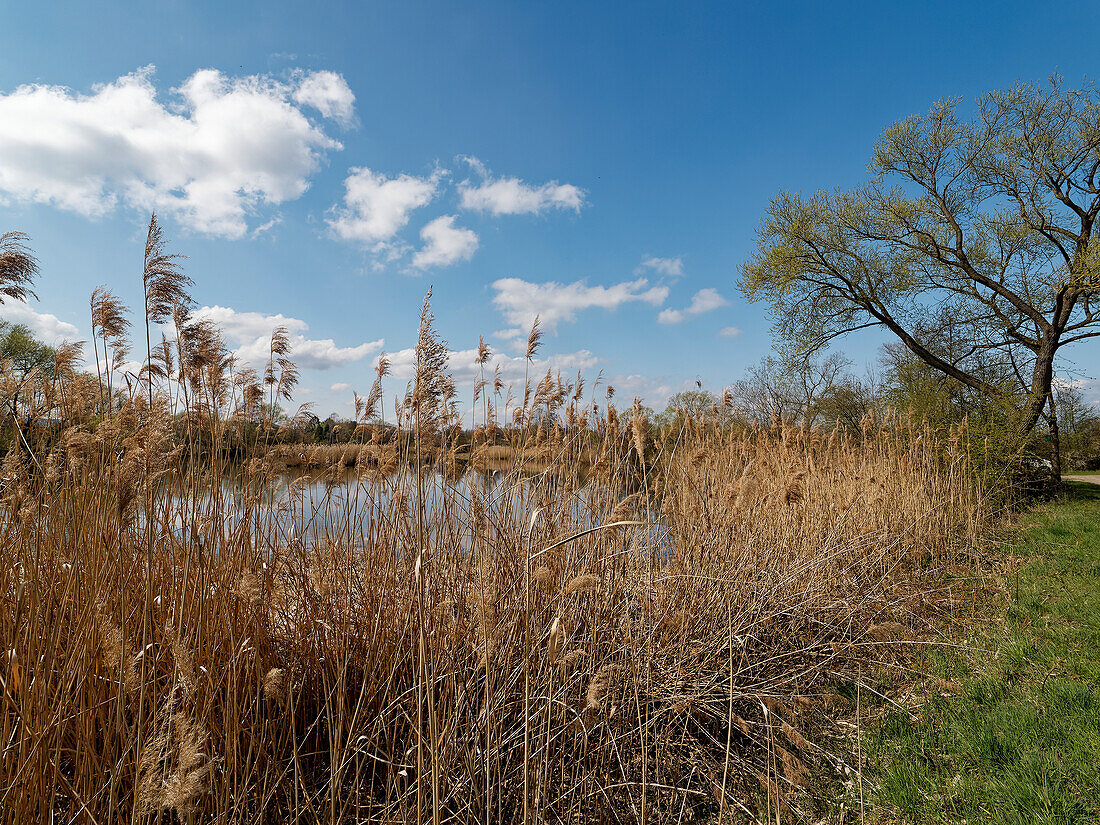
pixel 789 386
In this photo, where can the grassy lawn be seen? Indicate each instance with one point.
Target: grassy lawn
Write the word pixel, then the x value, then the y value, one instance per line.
pixel 1020 742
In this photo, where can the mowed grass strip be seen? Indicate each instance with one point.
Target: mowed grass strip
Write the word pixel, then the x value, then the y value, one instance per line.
pixel 1016 737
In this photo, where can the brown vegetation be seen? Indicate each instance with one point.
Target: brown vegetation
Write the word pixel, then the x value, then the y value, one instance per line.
pixel 473 656
pixel 664 634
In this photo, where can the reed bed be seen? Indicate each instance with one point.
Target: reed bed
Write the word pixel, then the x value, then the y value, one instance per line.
pixel 575 618
pixel 314 456
pixel 498 457
pixel 659 642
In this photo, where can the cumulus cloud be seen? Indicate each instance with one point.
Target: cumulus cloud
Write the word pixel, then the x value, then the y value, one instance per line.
pixel 511 196
pixel 327 92
pixel 323 354
pixel 211 155
pixel 653 391
pixel 46 327
pixel 250 333
pixel 241 326
pixel 673 267
pixel 520 301
pixel 464 367
pixel 704 300
pixel 376 208
pixel 340 386
pixel 445 244
pixel 1092 390
pixel 729 332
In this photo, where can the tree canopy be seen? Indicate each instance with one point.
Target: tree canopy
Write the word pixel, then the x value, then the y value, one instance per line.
pixel 698 403
pixel 799 389
pixel 980 231
pixel 25 352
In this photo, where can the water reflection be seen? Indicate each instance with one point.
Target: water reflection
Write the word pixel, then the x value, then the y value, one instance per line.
pixel 346 505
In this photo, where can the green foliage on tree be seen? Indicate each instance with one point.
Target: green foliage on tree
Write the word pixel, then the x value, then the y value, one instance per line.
pixel 698 404
pixel 30 362
pixel 23 351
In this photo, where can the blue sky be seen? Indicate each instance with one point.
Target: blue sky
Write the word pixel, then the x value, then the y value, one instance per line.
pixel 326 164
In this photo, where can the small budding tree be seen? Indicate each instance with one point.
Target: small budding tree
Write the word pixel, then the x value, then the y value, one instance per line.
pixel 982 227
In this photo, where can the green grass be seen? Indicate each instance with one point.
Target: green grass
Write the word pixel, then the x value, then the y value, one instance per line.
pixel 1020 743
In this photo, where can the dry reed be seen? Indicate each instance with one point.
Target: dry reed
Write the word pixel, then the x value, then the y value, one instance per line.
pixel 435 651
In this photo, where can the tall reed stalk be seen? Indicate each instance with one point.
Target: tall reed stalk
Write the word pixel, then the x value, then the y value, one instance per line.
pixel 587 620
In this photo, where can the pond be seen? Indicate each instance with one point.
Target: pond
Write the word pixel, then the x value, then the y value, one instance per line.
pixel 342 505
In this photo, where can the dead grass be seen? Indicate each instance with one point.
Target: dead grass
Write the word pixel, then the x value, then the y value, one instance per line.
pixel 657 638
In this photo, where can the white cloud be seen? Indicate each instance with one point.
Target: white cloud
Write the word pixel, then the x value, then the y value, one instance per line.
pixel 1058 383
pixel 476 164
pixel 1089 387
pixel 673 267
pixel 217 151
pixel 729 332
pixel 1092 390
pixel 46 327
pixel 445 244
pixel 653 391
pixel 704 300
pixel 511 196
pixel 243 326
pixel 309 353
pixel 521 301
pixel 250 332
pixel 340 386
pixel 376 208
pixel 328 93
pixel 267 226
pixel 463 365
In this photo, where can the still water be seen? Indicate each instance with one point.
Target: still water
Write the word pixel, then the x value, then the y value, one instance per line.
pixel 311 505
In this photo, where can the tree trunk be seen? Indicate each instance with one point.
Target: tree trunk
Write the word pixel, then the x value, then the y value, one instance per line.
pixel 1041 377
pixel 1055 445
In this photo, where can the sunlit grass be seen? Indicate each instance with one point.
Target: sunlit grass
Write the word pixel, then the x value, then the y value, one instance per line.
pixel 1020 743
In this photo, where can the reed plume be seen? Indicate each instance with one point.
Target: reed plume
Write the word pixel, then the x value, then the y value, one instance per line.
pixel 534 339
pixel 432 388
pixel 165 286
pixel 18 267
pixel 110 321
pixel 280 373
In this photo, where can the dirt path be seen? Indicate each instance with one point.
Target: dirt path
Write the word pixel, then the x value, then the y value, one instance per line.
pixel 1086 479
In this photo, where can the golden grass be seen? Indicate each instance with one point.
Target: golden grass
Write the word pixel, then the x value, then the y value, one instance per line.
pixel 325 455
pixel 243 673
pixel 574 620
pixel 497 457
